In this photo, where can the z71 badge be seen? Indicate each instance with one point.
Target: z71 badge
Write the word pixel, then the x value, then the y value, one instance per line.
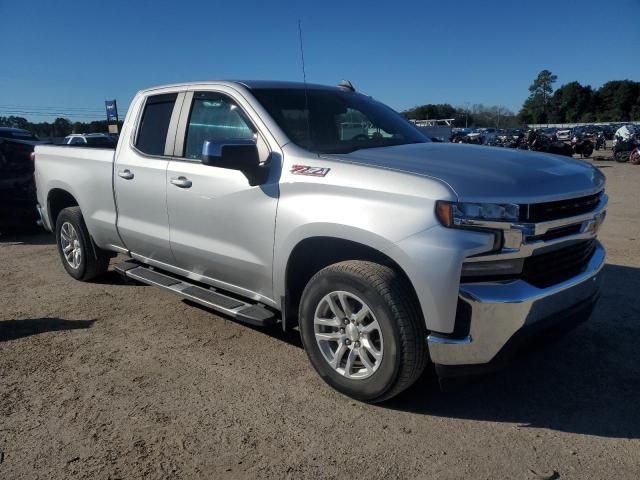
pixel 310 171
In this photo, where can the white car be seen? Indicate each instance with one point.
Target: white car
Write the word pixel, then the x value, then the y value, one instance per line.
pixel 90 140
pixel 487 136
pixel 564 134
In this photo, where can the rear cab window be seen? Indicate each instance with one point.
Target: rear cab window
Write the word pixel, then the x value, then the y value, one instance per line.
pixel 154 124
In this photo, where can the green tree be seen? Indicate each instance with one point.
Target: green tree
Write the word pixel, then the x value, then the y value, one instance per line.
pixel 571 103
pixel 616 100
pixel 14 122
pixel 534 109
pixel 61 127
pixel 431 111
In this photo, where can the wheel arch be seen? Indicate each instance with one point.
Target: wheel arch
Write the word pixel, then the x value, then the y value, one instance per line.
pixel 314 253
pixel 57 200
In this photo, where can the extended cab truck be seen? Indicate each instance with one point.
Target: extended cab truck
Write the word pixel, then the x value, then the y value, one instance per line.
pixel 262 201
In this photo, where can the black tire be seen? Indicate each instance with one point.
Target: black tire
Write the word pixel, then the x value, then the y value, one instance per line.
pixel 94 261
pixel 621 157
pixel 387 295
pixel 587 149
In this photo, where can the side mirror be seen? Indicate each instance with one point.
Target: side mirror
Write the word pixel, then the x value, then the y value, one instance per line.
pixel 237 154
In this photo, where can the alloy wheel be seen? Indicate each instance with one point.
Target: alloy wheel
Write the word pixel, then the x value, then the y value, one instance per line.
pixel 348 335
pixel 70 244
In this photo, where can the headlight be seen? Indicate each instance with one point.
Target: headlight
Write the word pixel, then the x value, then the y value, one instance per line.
pixel 467 214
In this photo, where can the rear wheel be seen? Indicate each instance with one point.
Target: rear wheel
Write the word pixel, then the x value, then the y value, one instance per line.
pixel 80 258
pixel 362 331
pixel 635 157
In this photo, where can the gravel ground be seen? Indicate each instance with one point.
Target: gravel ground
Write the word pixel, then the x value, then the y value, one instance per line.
pixel 113 380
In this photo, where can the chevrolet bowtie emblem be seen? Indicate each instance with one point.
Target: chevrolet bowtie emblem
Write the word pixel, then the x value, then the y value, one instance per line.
pixel 593 225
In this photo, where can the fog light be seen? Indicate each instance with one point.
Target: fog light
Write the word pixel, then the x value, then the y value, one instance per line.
pixel 497 267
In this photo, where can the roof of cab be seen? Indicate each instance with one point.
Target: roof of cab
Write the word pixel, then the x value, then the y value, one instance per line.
pixel 249 84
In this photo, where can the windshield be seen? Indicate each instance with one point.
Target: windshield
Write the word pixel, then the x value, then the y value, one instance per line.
pixel 336 121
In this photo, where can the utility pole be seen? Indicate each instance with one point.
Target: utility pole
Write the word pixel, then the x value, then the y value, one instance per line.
pixel 466 115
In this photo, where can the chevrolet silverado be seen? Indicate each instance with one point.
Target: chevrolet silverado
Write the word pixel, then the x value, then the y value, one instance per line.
pixel 322 209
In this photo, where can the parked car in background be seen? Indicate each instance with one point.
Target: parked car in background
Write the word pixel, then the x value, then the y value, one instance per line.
pixel 475 137
pixel 17 188
pixel 489 135
pixel 591 131
pixel 608 132
pixel 563 134
pixel 459 135
pixel 100 140
pixel 547 132
pixel 482 136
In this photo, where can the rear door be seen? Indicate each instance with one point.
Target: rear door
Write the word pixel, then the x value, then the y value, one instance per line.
pixel 222 228
pixel 140 179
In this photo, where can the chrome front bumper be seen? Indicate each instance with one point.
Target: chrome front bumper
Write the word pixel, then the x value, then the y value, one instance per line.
pixel 500 309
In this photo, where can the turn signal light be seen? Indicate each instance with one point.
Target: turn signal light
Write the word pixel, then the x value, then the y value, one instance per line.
pixel 444 212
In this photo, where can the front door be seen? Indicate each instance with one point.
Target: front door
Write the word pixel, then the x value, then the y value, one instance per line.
pixel 221 228
pixel 140 180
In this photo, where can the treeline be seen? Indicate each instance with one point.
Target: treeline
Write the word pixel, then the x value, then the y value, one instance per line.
pixel 615 101
pixel 477 115
pixel 60 127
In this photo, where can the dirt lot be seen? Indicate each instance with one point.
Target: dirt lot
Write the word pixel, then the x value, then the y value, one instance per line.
pixel 112 380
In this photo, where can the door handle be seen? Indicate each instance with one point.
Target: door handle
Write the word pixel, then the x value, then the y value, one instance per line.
pixel 181 182
pixel 126 174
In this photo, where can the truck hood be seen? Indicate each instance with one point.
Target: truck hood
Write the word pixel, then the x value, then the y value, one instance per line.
pixel 487 174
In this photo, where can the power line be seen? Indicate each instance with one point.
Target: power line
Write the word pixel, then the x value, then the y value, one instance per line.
pixel 44 109
pixel 15 112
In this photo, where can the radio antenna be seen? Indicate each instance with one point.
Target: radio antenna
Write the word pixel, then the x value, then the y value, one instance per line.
pixel 304 73
pixel 304 79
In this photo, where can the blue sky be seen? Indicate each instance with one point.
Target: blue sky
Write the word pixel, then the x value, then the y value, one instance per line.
pixel 68 57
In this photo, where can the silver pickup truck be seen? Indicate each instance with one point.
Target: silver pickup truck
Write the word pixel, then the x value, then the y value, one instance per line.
pixel 320 208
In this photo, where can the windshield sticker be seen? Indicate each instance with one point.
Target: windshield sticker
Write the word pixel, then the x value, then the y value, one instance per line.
pixel 310 171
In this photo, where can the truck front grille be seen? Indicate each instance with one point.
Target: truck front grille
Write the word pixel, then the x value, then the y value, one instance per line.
pixel 543 212
pixel 559 265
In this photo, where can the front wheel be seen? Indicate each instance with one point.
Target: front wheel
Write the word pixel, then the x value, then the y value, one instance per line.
pixel 362 331
pixel 80 258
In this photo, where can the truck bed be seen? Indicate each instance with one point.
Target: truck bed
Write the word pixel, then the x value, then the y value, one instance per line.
pixel 86 173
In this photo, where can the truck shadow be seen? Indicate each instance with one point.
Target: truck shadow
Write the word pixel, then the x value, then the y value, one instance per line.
pixel 586 382
pixel 15 329
pixel 30 236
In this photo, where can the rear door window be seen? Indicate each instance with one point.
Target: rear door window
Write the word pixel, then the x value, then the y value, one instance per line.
pixel 152 134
